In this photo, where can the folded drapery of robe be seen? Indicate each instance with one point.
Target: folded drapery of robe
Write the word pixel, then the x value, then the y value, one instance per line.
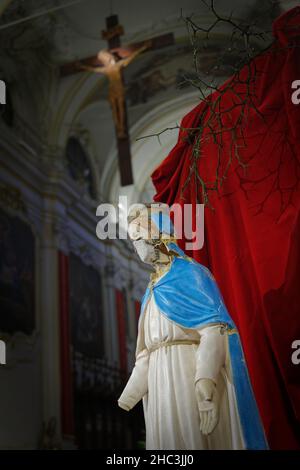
pixel 188 299
pixel 210 357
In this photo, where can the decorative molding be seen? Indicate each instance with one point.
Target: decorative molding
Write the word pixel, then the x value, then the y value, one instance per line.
pixel 84 137
pixel 11 197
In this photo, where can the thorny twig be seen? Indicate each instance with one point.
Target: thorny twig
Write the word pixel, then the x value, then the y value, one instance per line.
pixel 242 46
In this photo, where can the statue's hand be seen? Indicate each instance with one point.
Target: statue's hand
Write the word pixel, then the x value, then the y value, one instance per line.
pixel 123 405
pixel 208 405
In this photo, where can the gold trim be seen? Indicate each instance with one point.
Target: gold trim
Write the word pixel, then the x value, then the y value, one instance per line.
pixel 164 344
pixel 160 271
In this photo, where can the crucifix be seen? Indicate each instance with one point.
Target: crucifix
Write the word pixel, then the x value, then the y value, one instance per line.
pixel 111 63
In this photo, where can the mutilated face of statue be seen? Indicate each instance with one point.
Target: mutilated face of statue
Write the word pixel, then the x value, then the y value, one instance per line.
pixel 146 251
pixel 143 245
pixel 147 238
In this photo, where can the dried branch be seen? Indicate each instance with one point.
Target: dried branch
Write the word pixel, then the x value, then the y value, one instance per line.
pixel 245 41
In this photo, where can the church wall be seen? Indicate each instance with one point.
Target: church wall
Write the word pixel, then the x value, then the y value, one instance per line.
pixel 62 221
pixel 20 379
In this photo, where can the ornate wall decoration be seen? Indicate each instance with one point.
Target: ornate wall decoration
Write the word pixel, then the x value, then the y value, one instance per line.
pixel 79 166
pixel 11 197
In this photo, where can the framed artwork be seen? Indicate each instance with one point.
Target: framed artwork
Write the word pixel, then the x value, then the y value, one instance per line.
pixel 86 309
pixel 17 275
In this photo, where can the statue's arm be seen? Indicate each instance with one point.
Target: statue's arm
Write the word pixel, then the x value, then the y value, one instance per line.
pixel 211 353
pixel 210 358
pixel 129 59
pixel 137 385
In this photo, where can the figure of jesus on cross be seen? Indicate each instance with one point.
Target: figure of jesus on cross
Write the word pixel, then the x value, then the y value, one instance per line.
pixel 111 62
pixel 112 69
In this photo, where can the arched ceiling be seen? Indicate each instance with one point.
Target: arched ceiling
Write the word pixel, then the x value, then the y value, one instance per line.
pixel 79 104
pixel 78 26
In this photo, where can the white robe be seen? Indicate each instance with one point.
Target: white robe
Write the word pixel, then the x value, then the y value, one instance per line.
pixel 165 378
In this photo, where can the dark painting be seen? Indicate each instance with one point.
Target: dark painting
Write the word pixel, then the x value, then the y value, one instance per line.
pixel 17 275
pixel 86 309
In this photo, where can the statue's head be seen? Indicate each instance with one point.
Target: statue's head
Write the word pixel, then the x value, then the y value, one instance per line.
pixel 106 57
pixel 150 229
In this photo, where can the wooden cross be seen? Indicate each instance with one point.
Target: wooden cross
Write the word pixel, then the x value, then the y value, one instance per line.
pixel 111 63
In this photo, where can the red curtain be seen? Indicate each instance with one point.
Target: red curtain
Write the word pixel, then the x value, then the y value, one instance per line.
pixel 121 312
pixel 252 235
pixel 67 418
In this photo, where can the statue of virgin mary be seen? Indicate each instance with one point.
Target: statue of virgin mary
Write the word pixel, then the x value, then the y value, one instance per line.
pixel 190 369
